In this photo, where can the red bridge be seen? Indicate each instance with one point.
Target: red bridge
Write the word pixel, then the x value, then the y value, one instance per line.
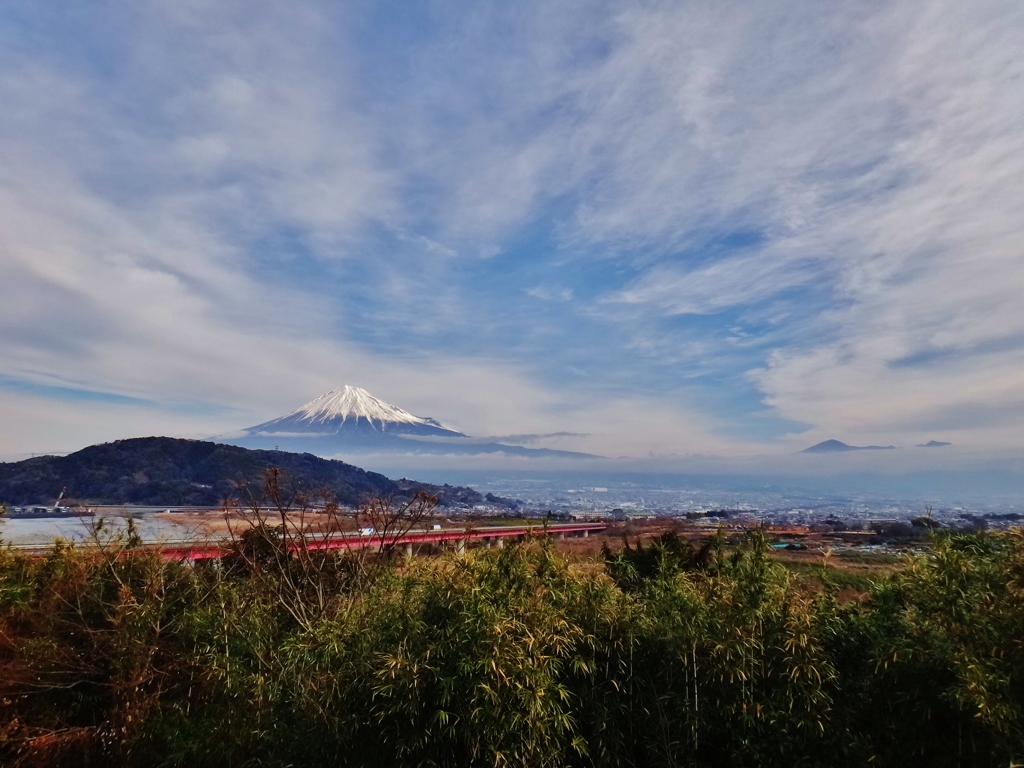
pixel 458 536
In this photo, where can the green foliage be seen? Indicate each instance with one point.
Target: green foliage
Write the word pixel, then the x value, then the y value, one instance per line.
pixel 665 555
pixel 519 657
pixel 167 471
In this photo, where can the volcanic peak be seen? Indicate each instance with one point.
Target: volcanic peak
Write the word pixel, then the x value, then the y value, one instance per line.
pixel 836 446
pixel 350 402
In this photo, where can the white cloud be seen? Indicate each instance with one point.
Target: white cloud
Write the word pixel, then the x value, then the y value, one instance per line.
pixel 878 151
pixel 125 210
pixel 550 293
pixel 730 282
pixel 934 269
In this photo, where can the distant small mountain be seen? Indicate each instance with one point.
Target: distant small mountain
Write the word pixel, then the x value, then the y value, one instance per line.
pixel 836 446
pixel 350 420
pixel 164 471
pixel 934 444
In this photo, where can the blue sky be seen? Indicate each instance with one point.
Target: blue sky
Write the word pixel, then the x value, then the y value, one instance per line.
pixel 665 228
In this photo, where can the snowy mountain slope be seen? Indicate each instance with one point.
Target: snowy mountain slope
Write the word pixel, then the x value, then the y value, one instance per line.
pixel 355 402
pixel 350 420
pixel 351 410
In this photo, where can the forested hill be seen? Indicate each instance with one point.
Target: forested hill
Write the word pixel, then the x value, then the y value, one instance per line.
pixel 167 471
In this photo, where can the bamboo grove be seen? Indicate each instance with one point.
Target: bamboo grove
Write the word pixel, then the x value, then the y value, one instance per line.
pixel 662 655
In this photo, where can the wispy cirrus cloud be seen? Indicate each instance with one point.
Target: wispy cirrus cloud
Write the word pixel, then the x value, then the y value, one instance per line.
pixel 550 293
pixel 729 213
pixel 729 282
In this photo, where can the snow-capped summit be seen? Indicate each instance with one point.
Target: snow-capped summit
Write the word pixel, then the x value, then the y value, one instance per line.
pixel 351 410
pixel 350 420
pixel 350 402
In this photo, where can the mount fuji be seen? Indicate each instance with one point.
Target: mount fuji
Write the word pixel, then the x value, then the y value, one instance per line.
pixel 351 420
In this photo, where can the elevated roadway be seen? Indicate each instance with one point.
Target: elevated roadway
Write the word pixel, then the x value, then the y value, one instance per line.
pixel 457 536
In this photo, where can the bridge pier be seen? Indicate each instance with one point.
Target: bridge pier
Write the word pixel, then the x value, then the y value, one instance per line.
pixel 408 551
pixel 460 546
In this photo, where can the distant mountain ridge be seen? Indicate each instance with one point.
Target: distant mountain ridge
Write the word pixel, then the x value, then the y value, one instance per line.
pixel 836 446
pixel 351 420
pixel 165 471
